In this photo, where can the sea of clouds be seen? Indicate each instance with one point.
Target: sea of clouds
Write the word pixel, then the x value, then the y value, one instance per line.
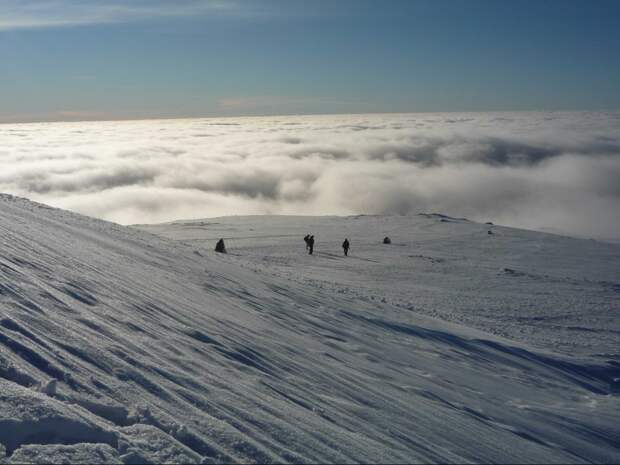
pixel 553 171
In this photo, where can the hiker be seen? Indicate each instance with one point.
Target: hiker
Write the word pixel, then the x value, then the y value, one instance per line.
pixel 220 247
pixel 345 246
pixel 306 239
pixel 310 244
pixel 387 240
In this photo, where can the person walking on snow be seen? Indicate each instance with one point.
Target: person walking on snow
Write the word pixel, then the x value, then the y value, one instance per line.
pixel 345 246
pixel 306 239
pixel 310 244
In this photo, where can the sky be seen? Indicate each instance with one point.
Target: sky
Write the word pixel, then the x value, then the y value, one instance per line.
pixel 96 60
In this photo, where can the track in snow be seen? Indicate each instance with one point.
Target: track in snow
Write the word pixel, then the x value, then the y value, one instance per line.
pixel 117 345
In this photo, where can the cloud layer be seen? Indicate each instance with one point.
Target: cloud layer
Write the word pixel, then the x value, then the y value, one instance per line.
pixel 559 171
pixel 33 14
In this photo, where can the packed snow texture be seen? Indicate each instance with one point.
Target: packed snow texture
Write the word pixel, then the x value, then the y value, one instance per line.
pixel 448 345
pixel 553 171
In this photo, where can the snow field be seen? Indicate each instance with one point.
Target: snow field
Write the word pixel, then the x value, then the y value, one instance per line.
pixel 119 346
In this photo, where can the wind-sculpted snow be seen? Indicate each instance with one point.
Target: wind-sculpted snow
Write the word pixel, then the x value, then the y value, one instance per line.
pixel 119 346
pixel 536 170
pixel 552 291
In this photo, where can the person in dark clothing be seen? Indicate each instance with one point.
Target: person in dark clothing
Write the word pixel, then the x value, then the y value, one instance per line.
pixel 311 245
pixel 345 246
pixel 220 247
pixel 306 241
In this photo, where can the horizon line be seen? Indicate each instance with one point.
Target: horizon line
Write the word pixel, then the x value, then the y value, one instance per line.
pixel 167 118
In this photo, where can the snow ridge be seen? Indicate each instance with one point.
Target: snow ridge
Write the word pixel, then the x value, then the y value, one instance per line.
pixel 118 346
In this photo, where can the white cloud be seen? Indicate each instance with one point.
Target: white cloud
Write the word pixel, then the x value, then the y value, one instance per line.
pixel 30 14
pixel 532 170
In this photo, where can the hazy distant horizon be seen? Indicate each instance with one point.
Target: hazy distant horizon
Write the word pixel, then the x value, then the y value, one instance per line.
pixel 275 115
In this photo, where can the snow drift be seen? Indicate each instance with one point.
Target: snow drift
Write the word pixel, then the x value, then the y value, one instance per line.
pixel 119 346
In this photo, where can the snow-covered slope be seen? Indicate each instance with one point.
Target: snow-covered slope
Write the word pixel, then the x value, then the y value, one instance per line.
pixel 120 346
pixel 546 290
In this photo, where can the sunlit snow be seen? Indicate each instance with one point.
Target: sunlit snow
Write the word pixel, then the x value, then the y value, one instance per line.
pixel 451 344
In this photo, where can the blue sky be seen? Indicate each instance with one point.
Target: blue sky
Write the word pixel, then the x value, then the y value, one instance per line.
pixel 71 59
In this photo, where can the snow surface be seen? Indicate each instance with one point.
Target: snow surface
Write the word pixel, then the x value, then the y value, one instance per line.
pixel 448 345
